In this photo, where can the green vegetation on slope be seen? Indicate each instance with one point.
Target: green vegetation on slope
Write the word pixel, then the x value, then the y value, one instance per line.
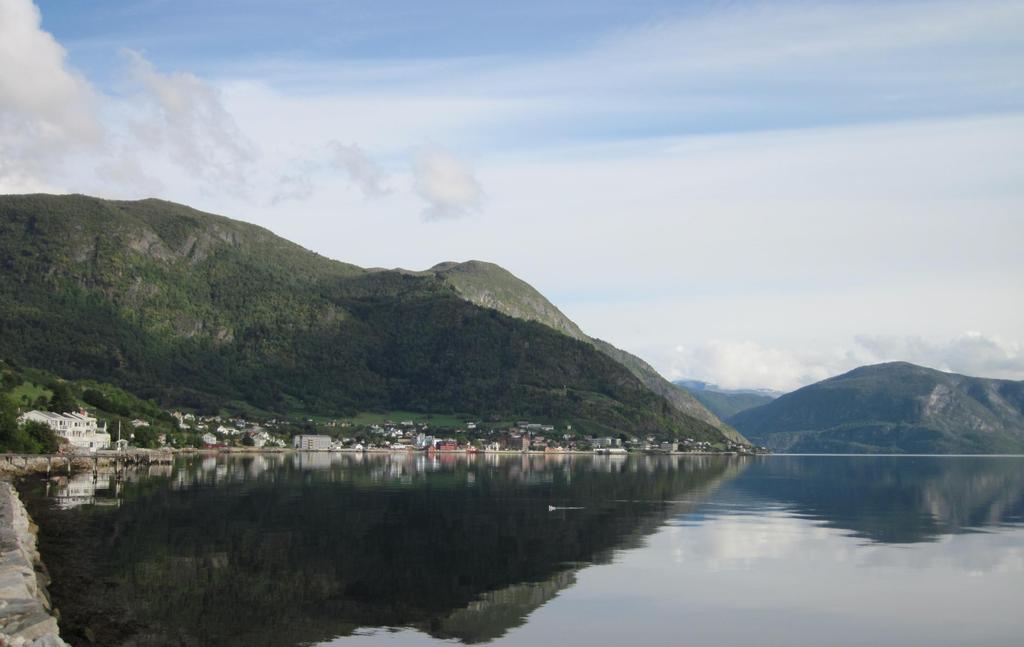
pixel 196 310
pixel 492 286
pixel 23 389
pixel 893 408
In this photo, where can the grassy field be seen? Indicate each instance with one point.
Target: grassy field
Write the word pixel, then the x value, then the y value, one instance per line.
pixel 26 393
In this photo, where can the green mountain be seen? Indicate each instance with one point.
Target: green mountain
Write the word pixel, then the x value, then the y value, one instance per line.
pixel 492 286
pixel 192 309
pixel 893 408
pixel 725 403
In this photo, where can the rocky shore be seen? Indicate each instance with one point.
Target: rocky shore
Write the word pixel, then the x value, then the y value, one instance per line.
pixel 26 619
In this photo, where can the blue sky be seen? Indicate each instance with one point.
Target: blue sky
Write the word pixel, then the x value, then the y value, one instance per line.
pixel 724 66
pixel 193 31
pixel 751 193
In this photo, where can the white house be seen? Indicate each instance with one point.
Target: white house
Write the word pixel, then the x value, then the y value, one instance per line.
pixel 81 430
pixel 209 439
pixel 259 437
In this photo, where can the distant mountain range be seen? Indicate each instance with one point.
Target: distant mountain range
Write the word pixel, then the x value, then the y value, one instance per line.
pixel 726 403
pixel 197 310
pixel 892 408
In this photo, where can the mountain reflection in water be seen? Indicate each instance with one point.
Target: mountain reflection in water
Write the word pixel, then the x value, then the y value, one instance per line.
pixel 293 548
pixel 290 549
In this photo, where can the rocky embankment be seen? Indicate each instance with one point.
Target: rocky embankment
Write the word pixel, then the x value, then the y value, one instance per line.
pixel 15 465
pixel 26 619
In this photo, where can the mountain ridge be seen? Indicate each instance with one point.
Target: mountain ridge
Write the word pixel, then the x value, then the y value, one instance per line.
pixel 202 310
pixel 893 407
pixel 492 286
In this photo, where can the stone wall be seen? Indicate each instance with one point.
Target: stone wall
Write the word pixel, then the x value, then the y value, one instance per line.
pixel 25 615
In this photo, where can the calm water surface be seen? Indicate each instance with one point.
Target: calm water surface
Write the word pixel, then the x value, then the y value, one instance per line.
pixel 347 550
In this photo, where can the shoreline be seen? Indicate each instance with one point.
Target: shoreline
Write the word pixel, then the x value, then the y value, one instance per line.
pixel 509 452
pixel 21 465
pixel 26 616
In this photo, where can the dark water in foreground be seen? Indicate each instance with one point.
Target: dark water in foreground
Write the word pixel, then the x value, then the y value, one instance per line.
pixel 317 549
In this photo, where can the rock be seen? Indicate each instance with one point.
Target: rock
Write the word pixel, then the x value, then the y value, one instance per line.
pixel 33 626
pixel 25 618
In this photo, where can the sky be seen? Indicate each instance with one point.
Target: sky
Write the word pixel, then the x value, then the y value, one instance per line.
pixel 753 194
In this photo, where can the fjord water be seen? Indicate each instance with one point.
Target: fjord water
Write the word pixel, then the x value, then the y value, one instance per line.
pixel 352 549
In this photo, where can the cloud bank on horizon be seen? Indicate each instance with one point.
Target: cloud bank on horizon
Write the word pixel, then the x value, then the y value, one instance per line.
pixel 753 194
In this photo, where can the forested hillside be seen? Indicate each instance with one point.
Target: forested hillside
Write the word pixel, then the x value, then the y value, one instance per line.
pixel 492 286
pixel 197 310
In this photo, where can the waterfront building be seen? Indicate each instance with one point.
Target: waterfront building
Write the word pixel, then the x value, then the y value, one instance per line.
pixel 424 441
pixel 312 442
pixel 81 430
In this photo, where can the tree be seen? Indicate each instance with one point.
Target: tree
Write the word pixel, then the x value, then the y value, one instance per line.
pixel 10 380
pixel 145 437
pixel 62 400
pixel 8 424
pixel 30 438
pixel 42 437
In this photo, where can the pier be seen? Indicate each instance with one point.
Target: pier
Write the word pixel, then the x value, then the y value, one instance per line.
pixel 24 464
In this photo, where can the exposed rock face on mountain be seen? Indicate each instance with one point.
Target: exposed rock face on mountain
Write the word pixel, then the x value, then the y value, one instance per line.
pixel 491 286
pixel 893 408
pixel 198 310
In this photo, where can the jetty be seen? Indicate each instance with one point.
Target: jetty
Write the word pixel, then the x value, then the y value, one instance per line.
pixel 12 465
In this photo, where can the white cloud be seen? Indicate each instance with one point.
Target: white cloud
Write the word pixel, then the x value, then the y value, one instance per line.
pixel 296 183
pixel 972 353
pixel 360 168
pixel 58 133
pixel 46 110
pixel 303 177
pixel 446 184
pixel 747 364
pixel 185 116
